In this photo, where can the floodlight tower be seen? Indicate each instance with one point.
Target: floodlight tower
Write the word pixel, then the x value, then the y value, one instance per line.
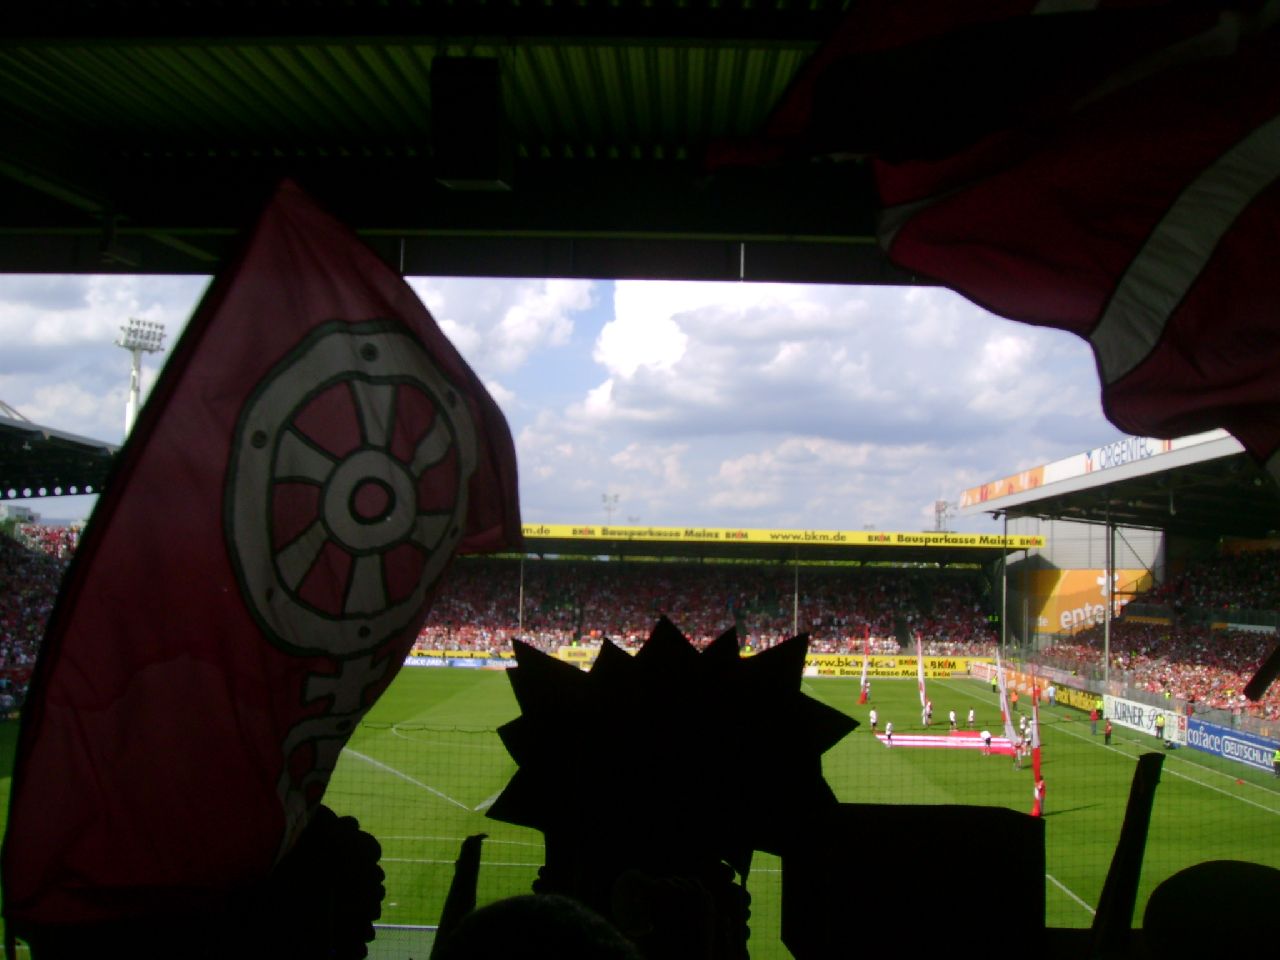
pixel 138 337
pixel 942 512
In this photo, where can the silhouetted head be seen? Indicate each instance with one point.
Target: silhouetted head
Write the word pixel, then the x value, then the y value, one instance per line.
pixel 534 927
pixel 1185 914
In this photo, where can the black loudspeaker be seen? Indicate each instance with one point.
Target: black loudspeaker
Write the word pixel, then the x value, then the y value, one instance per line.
pixel 914 880
pixel 469 136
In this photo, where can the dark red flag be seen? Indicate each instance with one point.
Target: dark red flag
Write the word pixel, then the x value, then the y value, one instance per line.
pixel 312 456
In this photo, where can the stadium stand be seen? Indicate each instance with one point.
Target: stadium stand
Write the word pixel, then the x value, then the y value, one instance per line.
pixel 1242 581
pixel 584 601
pixel 57 542
pixel 1197 665
pixel 31 569
pixel 568 601
pixel 1193 658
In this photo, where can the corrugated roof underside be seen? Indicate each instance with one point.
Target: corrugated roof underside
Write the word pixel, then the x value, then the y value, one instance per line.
pixel 561 99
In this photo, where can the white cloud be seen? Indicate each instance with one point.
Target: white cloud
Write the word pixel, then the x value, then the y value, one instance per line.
pixel 503 397
pixel 598 404
pixel 50 312
pixel 60 366
pixel 499 324
pixel 100 415
pixel 820 406
pixel 706 403
pixel 662 462
pixel 877 364
pixel 624 346
pixel 780 475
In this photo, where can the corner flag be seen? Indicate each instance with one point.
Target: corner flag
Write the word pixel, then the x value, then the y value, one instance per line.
pixel 920 672
pixel 866 656
pixel 1035 740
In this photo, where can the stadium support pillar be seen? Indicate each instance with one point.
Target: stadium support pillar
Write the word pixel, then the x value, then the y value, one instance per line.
pixel 795 596
pixel 520 609
pixel 1004 590
pixel 1108 589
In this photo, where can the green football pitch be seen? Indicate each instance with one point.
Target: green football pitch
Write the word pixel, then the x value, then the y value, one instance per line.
pixel 423 768
pixel 427 763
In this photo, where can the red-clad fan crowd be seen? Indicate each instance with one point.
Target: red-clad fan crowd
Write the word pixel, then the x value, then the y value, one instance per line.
pixel 1197 664
pixel 479 607
pixel 1194 663
pixel 31 569
pixel 1243 581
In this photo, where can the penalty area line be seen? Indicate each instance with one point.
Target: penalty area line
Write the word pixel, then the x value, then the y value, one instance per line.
pixel 1069 892
pixel 404 776
pixel 488 840
pixel 483 863
pixel 487 802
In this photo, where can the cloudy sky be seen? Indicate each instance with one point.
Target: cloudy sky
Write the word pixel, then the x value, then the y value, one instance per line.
pixel 713 404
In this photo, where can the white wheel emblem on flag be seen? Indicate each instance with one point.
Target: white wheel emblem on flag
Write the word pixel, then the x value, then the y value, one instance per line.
pixel 338 537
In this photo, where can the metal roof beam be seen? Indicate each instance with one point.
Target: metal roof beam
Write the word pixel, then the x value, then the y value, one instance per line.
pixel 79 22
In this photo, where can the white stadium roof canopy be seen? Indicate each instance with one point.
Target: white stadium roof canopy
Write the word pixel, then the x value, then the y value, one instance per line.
pixel 1203 486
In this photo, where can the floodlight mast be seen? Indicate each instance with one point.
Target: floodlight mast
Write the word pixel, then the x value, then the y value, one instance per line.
pixel 138 337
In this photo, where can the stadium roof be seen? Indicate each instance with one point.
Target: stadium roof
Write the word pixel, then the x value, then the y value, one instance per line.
pixel 1204 487
pixel 38 461
pixel 140 136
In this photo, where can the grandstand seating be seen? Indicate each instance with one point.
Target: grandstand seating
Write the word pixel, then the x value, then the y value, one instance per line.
pixel 1243 581
pixel 567 601
pixel 1188 660
pixel 1195 664
pixel 31 570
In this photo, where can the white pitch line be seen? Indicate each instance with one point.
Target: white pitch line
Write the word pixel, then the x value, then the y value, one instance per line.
pixel 1058 728
pixel 1175 773
pixel 396 732
pixel 487 802
pixel 1226 774
pixel 1229 775
pixel 483 863
pixel 488 840
pixel 404 776
pixel 1068 891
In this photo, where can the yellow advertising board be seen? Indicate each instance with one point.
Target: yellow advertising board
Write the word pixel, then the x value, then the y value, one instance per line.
pixel 853 538
pixel 850 665
pixel 1066 601
pixel 832 664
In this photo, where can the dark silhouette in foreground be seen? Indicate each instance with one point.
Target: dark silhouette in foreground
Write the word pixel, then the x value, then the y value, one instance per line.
pixel 534 927
pixel 646 816
pixel 319 903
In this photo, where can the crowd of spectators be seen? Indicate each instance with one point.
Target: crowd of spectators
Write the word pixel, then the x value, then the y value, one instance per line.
pixel 486 602
pixel 58 542
pixel 1242 581
pixel 1197 664
pixel 31 567
pixel 1188 659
